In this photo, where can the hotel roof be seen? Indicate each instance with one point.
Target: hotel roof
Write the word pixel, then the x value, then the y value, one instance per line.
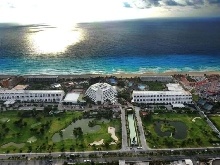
pixel 20 87
pixel 102 86
pixel 72 97
pixel 174 87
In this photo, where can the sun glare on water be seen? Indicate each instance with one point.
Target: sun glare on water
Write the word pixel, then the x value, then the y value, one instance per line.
pixel 64 16
pixel 53 40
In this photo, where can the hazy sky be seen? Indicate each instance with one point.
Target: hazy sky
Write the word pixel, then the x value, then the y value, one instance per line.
pixel 66 11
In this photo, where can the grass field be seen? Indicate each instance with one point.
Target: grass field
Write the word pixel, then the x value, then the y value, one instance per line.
pixel 155 86
pixel 18 130
pixel 216 121
pixel 198 132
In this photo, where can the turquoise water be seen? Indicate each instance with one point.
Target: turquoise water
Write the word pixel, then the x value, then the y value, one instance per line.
pixel 109 65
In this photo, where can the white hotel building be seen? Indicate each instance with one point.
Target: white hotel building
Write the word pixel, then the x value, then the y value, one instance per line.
pixel 101 92
pixel 163 97
pixel 32 95
pixel 175 95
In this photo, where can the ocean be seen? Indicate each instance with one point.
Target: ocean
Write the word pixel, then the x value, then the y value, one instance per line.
pixel 131 46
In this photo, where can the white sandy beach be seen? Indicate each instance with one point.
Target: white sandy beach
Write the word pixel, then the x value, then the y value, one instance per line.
pixel 132 75
pixel 127 75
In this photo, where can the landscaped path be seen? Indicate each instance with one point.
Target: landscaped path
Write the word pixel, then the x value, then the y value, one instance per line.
pixel 141 130
pixel 194 119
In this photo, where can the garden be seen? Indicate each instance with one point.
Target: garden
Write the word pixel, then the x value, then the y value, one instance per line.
pixel 215 120
pixel 173 130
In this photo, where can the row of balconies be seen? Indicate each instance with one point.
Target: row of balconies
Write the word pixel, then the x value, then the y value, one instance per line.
pixel 161 95
pixel 30 95
pixel 27 97
pixel 173 98
pixel 180 102
pixel 187 99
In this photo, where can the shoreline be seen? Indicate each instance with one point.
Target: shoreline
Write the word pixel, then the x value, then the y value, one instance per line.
pixel 119 75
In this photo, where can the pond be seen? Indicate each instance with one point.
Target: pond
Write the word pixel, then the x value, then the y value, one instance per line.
pixel 130 84
pixel 180 129
pixel 141 86
pixel 133 134
pixel 83 123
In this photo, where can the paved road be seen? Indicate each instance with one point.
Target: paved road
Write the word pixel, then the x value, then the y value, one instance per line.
pixel 141 130
pixel 124 131
pixel 116 158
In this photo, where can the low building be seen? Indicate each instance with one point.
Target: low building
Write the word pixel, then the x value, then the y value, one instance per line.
pixel 178 106
pixel 11 81
pixel 112 81
pixel 56 85
pixel 42 78
pixel 71 98
pixel 182 162
pixel 124 162
pixel 32 95
pixel 162 97
pixel 101 92
pixel 157 78
pixel 215 161
pixel 9 103
pixel 20 87
pixel 174 87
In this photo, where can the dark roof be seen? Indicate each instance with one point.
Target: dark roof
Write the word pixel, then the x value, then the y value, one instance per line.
pixel 208 107
pixel 201 102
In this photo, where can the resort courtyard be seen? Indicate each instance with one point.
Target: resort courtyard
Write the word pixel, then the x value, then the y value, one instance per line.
pixel 177 130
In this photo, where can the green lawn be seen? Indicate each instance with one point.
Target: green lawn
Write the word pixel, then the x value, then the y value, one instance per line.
pixel 215 120
pixel 198 132
pixel 195 97
pixel 155 86
pixel 18 129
